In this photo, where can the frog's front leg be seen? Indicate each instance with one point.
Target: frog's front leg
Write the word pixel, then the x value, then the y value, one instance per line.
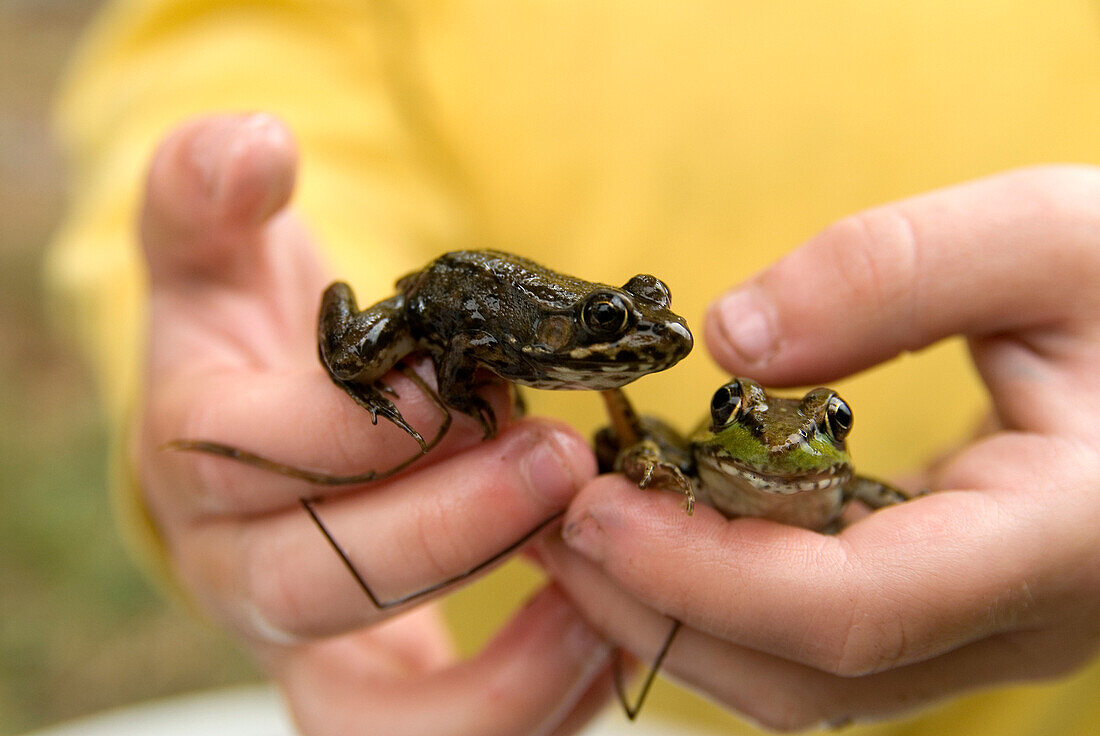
pixel 645 464
pixel 456 370
pixel 875 494
pixel 359 347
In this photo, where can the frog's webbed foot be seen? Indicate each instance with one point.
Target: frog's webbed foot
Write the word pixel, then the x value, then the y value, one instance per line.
pixel 875 494
pixel 474 406
pixel 481 410
pixel 644 464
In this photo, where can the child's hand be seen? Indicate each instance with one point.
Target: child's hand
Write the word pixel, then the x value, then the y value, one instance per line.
pixel 232 352
pixel 993 578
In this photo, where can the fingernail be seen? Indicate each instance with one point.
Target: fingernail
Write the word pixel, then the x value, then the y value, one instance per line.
pixel 556 468
pixel 268 171
pixel 746 320
pixel 585 535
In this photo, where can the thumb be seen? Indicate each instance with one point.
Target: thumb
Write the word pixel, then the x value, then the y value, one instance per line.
pixel 229 266
pixel 212 187
pixel 993 257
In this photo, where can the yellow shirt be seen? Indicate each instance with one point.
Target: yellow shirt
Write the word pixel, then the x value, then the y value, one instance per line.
pixel 696 140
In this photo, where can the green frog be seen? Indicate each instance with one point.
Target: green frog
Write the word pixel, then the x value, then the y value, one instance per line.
pixel 758 455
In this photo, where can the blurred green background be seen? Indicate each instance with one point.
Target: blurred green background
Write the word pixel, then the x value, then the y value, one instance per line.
pixel 79 629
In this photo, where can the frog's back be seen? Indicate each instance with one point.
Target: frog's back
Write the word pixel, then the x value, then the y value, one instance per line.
pixel 503 276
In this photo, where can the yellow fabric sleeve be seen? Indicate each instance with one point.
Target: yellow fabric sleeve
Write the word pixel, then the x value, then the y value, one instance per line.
pixel 693 140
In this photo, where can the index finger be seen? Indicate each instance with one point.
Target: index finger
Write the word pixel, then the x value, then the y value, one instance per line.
pixel 986 257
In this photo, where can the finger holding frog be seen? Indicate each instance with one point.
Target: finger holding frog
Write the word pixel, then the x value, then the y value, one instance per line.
pixel 793 592
pixel 323 431
pixel 235 280
pixel 267 572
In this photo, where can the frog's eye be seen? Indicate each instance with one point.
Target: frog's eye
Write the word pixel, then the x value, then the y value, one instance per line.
pixel 651 289
pixel 606 313
pixel 725 405
pixel 838 415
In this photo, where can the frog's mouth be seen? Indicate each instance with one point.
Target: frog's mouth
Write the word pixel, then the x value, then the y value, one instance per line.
pixel 599 367
pixel 776 481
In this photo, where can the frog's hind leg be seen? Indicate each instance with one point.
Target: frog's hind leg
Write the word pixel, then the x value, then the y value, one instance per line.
pixel 620 689
pixel 874 493
pixel 317 478
pixel 310 506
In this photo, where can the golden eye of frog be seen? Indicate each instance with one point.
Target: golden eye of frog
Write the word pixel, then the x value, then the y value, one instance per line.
pixel 758 455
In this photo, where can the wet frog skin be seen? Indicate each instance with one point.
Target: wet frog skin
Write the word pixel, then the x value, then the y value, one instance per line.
pixel 758 455
pixel 493 310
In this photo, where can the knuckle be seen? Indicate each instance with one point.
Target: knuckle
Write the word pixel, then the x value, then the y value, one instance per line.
pixel 873 640
pixel 437 543
pixel 197 481
pixel 875 255
pixel 872 636
pixel 1066 196
pixel 273 610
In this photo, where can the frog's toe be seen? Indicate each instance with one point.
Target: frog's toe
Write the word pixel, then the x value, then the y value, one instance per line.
pixel 488 420
pixel 646 479
pixel 481 411
pixel 399 420
pixel 689 503
pixel 379 405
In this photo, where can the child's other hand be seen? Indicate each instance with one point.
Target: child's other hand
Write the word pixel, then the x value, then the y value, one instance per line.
pixel 993 578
